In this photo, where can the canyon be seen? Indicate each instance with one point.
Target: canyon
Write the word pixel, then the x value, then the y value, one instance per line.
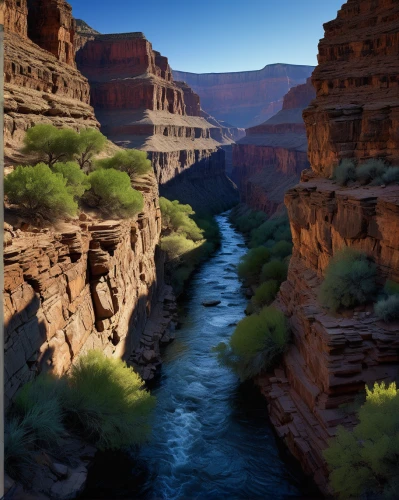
pixel 139 105
pixel 354 116
pixel 270 158
pixel 245 98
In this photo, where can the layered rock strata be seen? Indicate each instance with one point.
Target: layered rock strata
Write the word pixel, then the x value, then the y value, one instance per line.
pixel 245 98
pixel 354 115
pixel 269 159
pixel 90 285
pixel 140 106
pixel 39 87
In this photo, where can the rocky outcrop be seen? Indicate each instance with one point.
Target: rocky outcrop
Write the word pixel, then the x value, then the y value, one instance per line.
pixel 354 115
pixel 15 17
pixel 89 285
pixel 39 87
pixel 269 159
pixel 83 33
pixel 245 98
pixel 140 106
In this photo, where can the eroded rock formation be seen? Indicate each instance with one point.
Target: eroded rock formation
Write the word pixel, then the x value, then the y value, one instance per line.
pixel 140 106
pixel 40 87
pixel 91 284
pixel 354 115
pixel 245 98
pixel 269 159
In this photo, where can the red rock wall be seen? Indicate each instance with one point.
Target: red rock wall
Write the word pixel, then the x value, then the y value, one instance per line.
pixel 15 15
pixel 191 99
pixel 299 96
pixel 52 27
pixel 356 114
pixel 245 98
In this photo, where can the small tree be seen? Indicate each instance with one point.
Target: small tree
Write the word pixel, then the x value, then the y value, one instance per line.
pixel 38 190
pixel 90 142
pixel 251 263
pixel 131 161
pixel 176 217
pixel 112 193
pixel 51 144
pixel 350 280
pixel 364 463
pixel 77 180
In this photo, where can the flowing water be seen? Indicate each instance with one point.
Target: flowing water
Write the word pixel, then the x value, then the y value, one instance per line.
pixel 212 438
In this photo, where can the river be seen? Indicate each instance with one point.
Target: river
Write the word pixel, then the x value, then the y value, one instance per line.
pixel 212 438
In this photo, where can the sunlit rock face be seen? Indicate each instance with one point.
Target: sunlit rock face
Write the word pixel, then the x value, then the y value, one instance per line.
pixel 139 105
pixel 355 115
pixel 270 158
pixel 245 98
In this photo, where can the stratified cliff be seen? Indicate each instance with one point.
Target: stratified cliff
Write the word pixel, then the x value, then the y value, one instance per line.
pixel 245 98
pixel 269 160
pixel 140 106
pixel 355 115
pixel 41 86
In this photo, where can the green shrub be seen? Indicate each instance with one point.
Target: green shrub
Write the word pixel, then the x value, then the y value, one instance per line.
pixel 132 161
pixel 106 402
pixel 176 217
pixel 38 190
pixel 177 245
pixel 350 280
pixel 265 293
pixel 345 172
pixel 391 288
pixel 388 309
pixel 281 249
pixel 51 144
pixel 112 193
pixel 251 263
pixel 256 344
pixel 77 180
pixel 274 270
pixel 364 463
pixel 391 176
pixel 271 231
pixel 18 449
pixel 90 142
pixel 210 228
pixel 371 171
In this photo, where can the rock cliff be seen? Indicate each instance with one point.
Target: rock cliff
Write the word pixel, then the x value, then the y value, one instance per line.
pixel 269 159
pixel 40 86
pixel 140 106
pixel 354 115
pixel 245 98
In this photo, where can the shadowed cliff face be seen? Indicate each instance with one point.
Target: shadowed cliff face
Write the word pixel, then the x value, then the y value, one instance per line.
pixel 354 115
pixel 140 106
pixel 245 98
pixel 269 159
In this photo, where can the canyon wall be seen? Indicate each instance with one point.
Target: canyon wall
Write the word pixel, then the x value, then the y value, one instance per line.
pixel 245 98
pixel 270 158
pixel 354 115
pixel 40 87
pixel 140 106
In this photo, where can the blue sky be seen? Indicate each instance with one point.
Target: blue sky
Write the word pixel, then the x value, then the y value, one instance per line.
pixel 205 36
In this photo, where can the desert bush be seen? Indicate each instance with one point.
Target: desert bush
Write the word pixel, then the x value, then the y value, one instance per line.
pixel 391 176
pixel 132 161
pixel 51 144
pixel 265 293
pixel 176 218
pixel 251 263
pixel 371 171
pixel 388 309
pixel 345 172
pixel 112 193
pixel 177 245
pixel 274 270
pixel 363 463
pixel 18 449
pixel 38 190
pixel 245 219
pixel 281 249
pixel 107 403
pixel 90 143
pixel 350 280
pixel 256 344
pixel 271 231
pixel 391 288
pixel 77 180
